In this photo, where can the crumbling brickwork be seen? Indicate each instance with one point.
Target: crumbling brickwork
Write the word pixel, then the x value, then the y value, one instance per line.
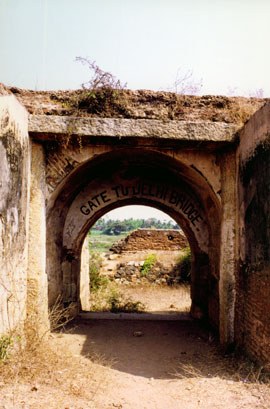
pixel 252 324
pixel 151 239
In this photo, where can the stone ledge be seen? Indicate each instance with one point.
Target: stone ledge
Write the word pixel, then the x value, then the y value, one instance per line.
pixel 143 128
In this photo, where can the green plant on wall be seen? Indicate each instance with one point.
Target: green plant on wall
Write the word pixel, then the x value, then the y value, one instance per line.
pixel 148 264
pixel 5 343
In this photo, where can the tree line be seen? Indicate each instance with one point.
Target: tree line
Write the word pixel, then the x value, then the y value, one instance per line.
pixel 116 227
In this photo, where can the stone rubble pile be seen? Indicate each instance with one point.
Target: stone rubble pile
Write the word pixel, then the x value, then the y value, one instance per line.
pixel 131 273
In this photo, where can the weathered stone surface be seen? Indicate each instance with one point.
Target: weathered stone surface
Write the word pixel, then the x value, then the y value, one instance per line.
pixel 213 193
pixel 255 133
pixel 14 211
pixel 37 281
pixel 84 277
pixel 228 252
pixel 252 323
pixel 151 239
pixel 4 90
pixel 140 128
pixel 98 196
pixel 142 104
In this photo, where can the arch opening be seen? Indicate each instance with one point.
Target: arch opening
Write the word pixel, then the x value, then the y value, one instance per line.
pixel 143 272
pixel 136 178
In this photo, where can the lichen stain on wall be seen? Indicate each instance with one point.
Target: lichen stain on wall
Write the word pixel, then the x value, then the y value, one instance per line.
pixel 253 280
pixel 14 200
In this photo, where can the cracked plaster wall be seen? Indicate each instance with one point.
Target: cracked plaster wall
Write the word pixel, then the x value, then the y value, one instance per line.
pixel 14 212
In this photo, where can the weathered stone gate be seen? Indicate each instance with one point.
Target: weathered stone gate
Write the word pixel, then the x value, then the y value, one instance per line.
pixel 83 167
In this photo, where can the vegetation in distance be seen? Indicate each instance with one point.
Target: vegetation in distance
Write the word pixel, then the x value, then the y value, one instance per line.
pixel 102 242
pixel 106 231
pixel 116 227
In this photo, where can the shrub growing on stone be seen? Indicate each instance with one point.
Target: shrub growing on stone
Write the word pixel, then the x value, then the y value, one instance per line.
pixel 102 93
pixel 148 264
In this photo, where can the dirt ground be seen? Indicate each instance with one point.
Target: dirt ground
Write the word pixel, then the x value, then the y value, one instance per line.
pixel 159 360
pixel 160 299
pixel 130 364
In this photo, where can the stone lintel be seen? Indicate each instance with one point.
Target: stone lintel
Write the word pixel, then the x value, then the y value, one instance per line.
pixel 44 126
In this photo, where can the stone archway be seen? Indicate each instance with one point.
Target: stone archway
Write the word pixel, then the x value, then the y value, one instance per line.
pixel 136 177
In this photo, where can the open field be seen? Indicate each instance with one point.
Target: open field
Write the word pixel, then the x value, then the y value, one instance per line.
pixel 102 242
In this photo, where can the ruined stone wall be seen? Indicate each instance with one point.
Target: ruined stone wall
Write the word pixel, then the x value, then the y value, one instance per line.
pixel 199 134
pixel 141 104
pixel 252 324
pixel 14 211
pixel 151 239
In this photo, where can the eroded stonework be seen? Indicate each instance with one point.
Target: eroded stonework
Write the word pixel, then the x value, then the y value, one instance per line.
pixel 151 239
pixel 190 157
pixel 14 212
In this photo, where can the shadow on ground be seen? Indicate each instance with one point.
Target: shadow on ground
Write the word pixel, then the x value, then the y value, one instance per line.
pixel 159 349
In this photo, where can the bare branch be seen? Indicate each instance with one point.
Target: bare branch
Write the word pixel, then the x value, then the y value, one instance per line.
pixel 184 83
pixel 99 78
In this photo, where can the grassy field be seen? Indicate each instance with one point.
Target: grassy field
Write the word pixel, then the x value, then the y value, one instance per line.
pixel 102 242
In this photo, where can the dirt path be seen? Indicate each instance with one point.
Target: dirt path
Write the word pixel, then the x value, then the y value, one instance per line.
pixel 131 364
pixel 164 364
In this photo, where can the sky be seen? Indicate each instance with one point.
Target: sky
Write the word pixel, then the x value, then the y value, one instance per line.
pixel 225 43
pixel 144 43
pixel 137 212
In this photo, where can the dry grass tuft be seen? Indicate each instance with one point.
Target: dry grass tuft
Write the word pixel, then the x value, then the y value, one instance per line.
pixel 38 361
pixel 47 367
pixel 231 368
pixel 53 369
pixel 60 316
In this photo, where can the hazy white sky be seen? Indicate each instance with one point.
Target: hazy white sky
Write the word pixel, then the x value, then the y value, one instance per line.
pixel 137 212
pixel 142 42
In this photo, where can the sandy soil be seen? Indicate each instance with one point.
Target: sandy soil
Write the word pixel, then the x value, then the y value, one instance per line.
pixel 131 364
pixel 160 299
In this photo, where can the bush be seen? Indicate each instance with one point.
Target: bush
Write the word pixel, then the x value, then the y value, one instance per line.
pixel 97 281
pixel 184 264
pixel 148 264
pixel 102 93
pixel 118 303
